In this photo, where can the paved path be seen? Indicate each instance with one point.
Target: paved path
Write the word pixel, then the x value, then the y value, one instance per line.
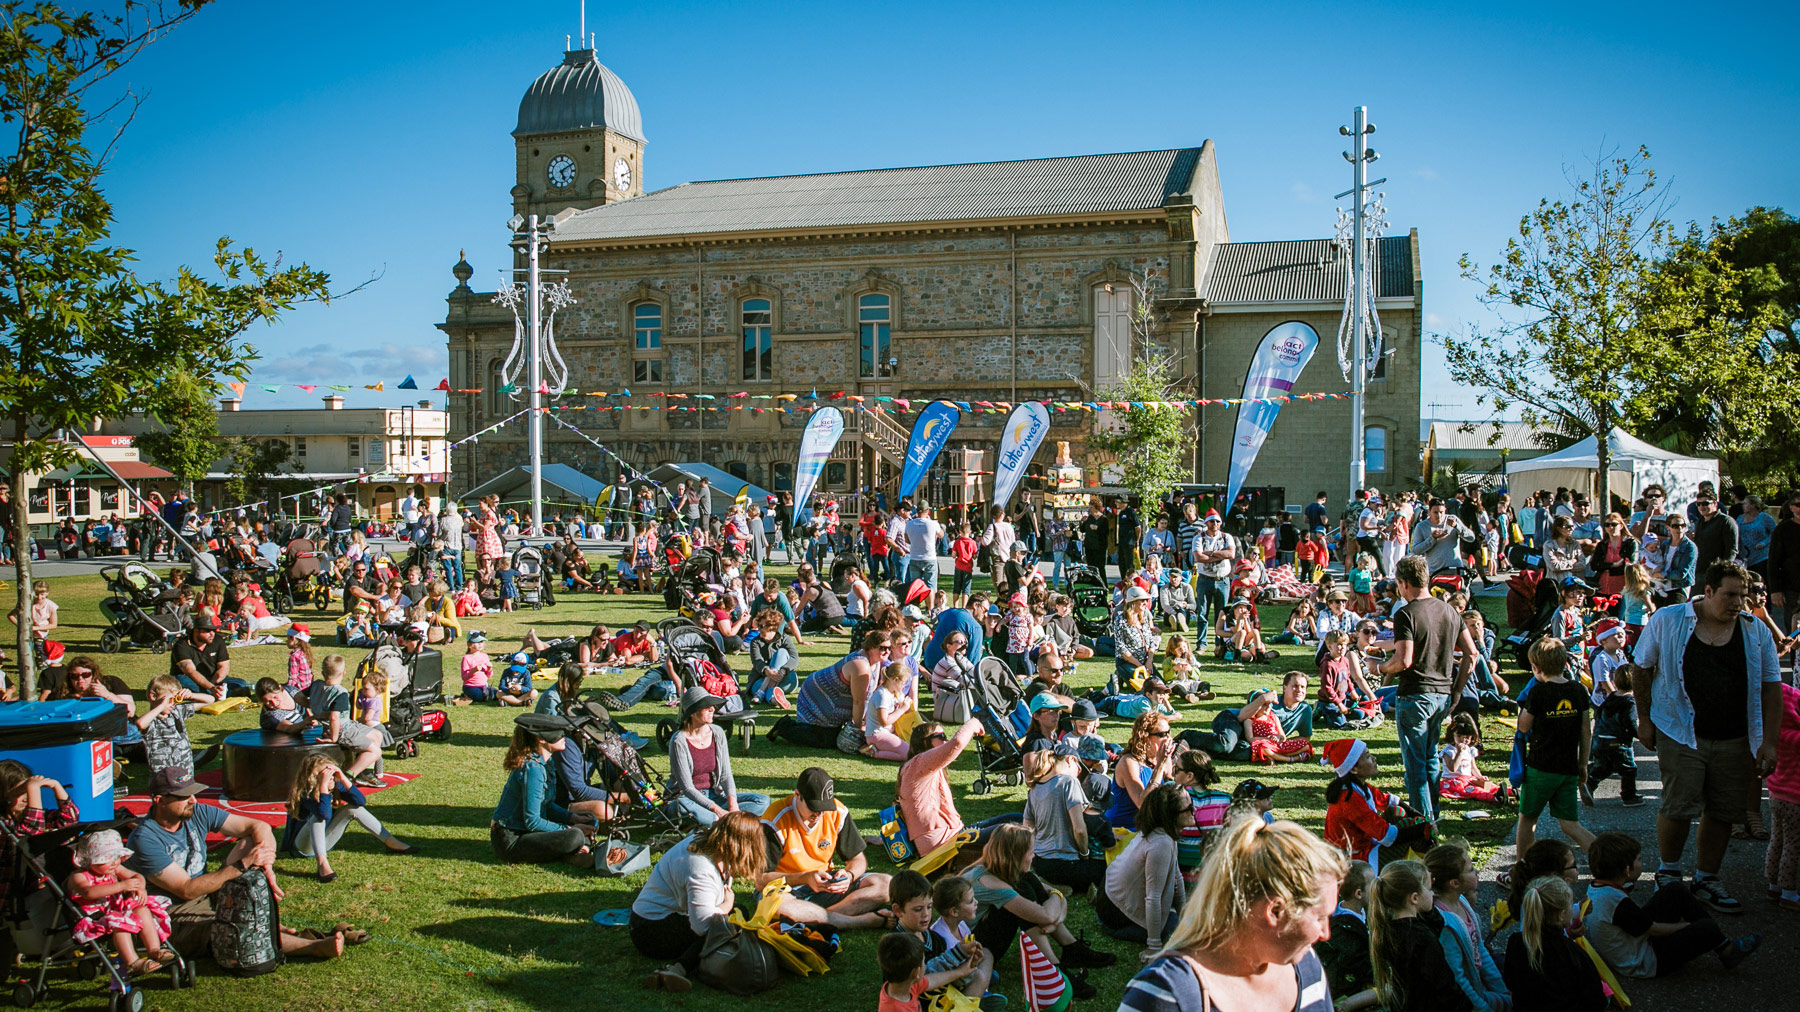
pixel 1764 981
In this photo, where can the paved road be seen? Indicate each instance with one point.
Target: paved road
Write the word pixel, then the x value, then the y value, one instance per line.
pixel 1764 981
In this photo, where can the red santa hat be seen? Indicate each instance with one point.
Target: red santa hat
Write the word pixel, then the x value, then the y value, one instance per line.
pixel 1342 754
pixel 1607 627
pixel 1212 515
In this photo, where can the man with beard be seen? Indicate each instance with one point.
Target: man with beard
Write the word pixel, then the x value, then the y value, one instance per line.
pixel 168 848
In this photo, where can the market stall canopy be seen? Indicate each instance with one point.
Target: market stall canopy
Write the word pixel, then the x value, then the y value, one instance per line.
pixel 1634 465
pixel 724 484
pixel 562 483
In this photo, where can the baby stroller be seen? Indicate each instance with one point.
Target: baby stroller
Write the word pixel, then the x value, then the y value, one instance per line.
pixel 996 700
pixel 529 563
pixel 699 573
pixel 1536 624
pixel 41 918
pixel 407 718
pixel 128 612
pixel 691 656
pixel 1092 601
pixel 301 577
pixel 623 773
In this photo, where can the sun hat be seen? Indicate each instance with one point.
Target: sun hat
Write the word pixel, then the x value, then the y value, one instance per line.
pixel 1092 748
pixel 697 698
pixel 1253 789
pixel 1136 593
pixel 103 847
pixel 545 727
pixel 912 611
pixel 301 632
pixel 1084 709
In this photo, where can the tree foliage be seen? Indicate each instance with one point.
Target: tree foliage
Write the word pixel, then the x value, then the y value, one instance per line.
pixel 251 466
pixel 83 336
pixel 187 444
pixel 1150 445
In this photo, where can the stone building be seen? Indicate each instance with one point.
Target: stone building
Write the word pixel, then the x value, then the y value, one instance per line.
pixel 997 282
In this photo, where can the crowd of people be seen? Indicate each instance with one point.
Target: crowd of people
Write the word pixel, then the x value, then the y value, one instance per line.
pixel 1656 628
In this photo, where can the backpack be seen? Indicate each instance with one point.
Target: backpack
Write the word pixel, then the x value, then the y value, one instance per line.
pixel 735 961
pixel 705 673
pixel 246 929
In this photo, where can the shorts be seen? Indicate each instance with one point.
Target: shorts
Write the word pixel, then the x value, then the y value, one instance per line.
pixel 825 899
pixel 190 927
pixel 959 585
pixel 359 736
pixel 1558 791
pixel 1712 779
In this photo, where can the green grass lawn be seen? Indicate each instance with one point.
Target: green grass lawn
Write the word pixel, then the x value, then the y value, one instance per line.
pixel 452 929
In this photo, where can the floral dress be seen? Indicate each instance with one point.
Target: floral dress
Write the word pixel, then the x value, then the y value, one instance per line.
pixel 487 535
pixel 1266 741
pixel 117 912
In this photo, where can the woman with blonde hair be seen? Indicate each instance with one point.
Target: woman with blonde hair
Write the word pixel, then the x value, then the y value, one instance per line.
pixel 320 804
pixel 1544 968
pixel 1244 941
pixel 1144 765
pixel 1135 639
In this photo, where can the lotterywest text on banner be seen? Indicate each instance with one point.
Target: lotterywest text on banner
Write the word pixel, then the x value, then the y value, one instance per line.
pixel 929 435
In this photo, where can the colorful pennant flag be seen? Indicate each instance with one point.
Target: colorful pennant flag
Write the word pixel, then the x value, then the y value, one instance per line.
pixel 405 384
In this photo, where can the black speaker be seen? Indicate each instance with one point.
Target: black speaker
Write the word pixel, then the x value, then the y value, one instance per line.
pixel 428 676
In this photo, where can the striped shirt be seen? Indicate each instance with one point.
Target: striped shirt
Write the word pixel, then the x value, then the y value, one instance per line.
pixel 1168 984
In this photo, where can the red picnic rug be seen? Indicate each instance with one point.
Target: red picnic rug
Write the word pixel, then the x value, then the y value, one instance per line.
pixel 272 812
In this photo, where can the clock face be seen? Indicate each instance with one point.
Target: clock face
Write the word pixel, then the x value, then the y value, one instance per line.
pixel 562 171
pixel 622 174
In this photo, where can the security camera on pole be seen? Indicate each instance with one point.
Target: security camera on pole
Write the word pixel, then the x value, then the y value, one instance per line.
pixel 1359 332
pixel 534 351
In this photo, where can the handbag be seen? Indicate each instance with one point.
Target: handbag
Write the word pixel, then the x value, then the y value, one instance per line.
pixel 1515 765
pixel 620 857
pixel 945 851
pixel 850 739
pixel 894 838
pixel 736 960
pixel 788 949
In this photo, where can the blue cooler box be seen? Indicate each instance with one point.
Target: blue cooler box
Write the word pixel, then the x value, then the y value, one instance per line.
pixel 70 741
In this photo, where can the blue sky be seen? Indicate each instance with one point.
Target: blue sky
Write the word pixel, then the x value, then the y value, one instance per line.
pixel 372 139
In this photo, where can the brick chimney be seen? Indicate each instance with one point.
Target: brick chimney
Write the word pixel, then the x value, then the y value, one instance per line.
pixel 229 404
pixel 334 403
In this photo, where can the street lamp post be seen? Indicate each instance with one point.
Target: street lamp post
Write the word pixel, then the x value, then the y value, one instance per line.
pixel 1359 332
pixel 534 357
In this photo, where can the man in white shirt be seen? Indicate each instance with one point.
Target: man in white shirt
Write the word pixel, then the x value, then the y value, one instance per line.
pixel 1368 529
pixel 409 512
pixel 450 545
pixel 922 534
pixel 1212 554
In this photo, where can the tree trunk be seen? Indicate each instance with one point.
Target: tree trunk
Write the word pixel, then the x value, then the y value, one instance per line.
pixel 27 660
pixel 1603 459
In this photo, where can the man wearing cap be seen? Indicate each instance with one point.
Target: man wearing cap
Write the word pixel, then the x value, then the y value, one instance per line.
pixel 922 535
pixel 1709 702
pixel 810 832
pixel 1429 639
pixel 201 661
pixel 169 850
pixel 1212 555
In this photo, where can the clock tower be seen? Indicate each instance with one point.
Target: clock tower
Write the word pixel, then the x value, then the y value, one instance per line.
pixel 580 139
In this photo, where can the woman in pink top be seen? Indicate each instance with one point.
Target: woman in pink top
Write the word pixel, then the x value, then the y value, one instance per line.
pixel 923 791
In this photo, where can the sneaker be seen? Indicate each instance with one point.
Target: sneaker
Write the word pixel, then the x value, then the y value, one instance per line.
pixel 1739 949
pixel 205 755
pixel 1667 878
pixel 610 700
pixel 369 778
pixel 1711 891
pixel 1079 986
pixel 1080 956
pixel 1634 801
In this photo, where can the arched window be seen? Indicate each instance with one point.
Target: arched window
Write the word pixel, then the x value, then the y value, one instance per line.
pixel 759 354
pixel 738 469
pixel 875 316
pixel 646 321
pixel 1375 449
pixel 784 476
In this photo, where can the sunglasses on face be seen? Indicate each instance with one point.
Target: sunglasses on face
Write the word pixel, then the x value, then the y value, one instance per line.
pixel 1160 734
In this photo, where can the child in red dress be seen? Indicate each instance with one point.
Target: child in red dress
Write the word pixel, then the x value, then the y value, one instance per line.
pixel 113 900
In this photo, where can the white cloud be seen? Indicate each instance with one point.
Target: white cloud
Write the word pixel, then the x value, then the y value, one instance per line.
pixel 1303 193
pixel 330 363
pixel 1433 320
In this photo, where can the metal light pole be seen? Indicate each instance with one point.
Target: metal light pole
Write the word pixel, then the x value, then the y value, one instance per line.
pixel 1359 324
pixel 534 342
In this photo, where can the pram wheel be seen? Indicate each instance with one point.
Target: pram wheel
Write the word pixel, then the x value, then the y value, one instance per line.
pixel 981 786
pixel 110 641
pixel 160 647
pixel 284 602
pixel 23 995
pixel 131 1001
pixel 406 749
pixel 181 973
pixel 665 729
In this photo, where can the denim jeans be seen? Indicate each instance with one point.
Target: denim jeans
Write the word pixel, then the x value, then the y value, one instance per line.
pixel 922 569
pixel 453 568
pixel 1209 597
pixel 1418 719
pixel 747 801
pixel 654 684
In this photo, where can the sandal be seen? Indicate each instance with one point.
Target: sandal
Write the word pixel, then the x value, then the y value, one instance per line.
pixel 1741 832
pixel 352 936
pixel 142 966
pixel 163 957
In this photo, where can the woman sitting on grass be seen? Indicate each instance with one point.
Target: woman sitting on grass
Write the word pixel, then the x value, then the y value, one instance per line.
pixel 688 888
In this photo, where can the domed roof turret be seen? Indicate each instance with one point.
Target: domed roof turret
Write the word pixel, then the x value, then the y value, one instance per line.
pixel 579 95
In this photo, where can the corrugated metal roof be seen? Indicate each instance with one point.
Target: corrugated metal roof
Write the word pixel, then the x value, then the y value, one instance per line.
pixel 1513 436
pixel 578 95
pixel 1302 270
pixel 1083 184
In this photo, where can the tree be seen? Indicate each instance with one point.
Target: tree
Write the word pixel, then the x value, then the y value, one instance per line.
pixel 188 443
pixel 84 337
pixel 252 464
pixel 1574 346
pixel 1149 441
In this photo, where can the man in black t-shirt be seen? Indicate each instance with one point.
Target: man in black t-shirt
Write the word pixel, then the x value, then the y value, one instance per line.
pixel 202 661
pixel 360 585
pixel 1428 636
pixel 1096 536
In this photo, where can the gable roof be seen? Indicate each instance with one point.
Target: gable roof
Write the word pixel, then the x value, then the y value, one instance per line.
pixel 558 476
pixel 1302 270
pixel 1081 184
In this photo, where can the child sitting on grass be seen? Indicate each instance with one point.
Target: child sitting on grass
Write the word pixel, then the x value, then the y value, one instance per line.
pixel 1345 698
pixel 1361 818
pixel 1269 742
pixel 515 683
pixel 903 975
pixel 1455 884
pixel 1544 969
pixel 884 706
pixel 1302 625
pixel 1239 637
pixel 1411 972
pixel 1462 778
pixel 477 670
pixel 1556 725
pixel 910 899
pixel 953 899
pixel 1345 953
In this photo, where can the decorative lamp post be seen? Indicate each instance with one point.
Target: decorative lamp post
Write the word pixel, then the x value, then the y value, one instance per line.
pixel 1359 331
pixel 534 357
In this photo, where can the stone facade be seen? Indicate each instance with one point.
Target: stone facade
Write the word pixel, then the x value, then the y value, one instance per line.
pixel 990 310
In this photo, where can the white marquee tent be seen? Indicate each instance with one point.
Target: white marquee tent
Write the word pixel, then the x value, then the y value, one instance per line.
pixel 1635 464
